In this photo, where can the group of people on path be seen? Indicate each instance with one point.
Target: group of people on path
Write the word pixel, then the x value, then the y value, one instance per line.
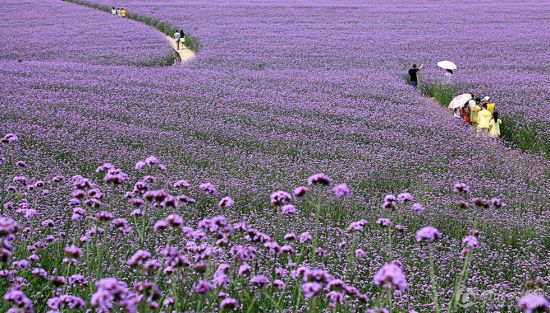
pixel 480 113
pixel 180 39
pixel 118 12
pixel 477 112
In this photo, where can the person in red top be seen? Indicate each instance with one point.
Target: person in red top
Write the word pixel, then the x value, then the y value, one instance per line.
pixel 465 114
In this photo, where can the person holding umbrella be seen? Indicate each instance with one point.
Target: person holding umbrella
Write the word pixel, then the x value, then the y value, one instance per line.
pixel 449 67
pixel 413 78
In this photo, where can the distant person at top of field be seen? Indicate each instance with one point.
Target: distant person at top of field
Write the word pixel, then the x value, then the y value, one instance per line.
pixel 113 11
pixel 449 75
pixel 483 119
pixel 413 78
pixel 177 37
pixel 118 11
pixel 494 126
pixel 123 12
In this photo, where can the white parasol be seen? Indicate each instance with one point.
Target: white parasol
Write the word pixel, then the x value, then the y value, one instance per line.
pixel 448 65
pixel 460 100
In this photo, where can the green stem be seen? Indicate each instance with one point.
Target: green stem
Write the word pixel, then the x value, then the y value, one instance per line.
pixel 434 282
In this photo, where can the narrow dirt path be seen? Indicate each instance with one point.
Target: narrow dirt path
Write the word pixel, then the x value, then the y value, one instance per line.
pixel 185 53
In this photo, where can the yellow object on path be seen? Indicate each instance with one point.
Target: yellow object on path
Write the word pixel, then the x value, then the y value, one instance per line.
pixel 123 13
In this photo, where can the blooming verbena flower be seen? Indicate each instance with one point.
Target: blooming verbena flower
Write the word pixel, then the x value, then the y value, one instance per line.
pixel 138 258
pixel 461 187
pixel 359 253
pixel 48 223
pixel 336 297
pixel 226 202
pixel 390 202
pixel 497 203
pixel 305 237
pixel 40 272
pixel 405 197
pixel 311 289
pixel 290 236
pixel 229 303
pixel 115 176
pixel 288 209
pixel 202 287
pixel 259 280
pixel 104 167
pixel 103 216
pixel 341 190
pixel 400 228
pixel 358 226
pixel 110 290
pixel 69 301
pixel 19 301
pixel 320 251
pixel 73 252
pixel 243 253
pixel 391 276
pixel 319 179
pixel 280 197
pixel 8 226
pixel 481 202
pixel 140 165
pixel 417 208
pixel 183 184
pixel 174 220
pixel 470 241
pixel 160 226
pixel 300 191
pixel 279 284
pixel 533 303
pixel 244 269
pixel 209 188
pixel 384 222
pixel 10 139
pixel 428 234
pixel 78 279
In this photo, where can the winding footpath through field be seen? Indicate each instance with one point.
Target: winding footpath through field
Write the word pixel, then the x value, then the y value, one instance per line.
pixel 185 54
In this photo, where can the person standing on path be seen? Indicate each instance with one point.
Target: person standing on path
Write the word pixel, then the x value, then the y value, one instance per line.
pixel 494 126
pixel 113 11
pixel 182 40
pixel 449 76
pixel 177 37
pixel 123 12
pixel 474 110
pixel 484 119
pixel 413 78
pixel 118 11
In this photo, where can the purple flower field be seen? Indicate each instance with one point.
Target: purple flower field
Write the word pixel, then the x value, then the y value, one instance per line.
pixel 414 213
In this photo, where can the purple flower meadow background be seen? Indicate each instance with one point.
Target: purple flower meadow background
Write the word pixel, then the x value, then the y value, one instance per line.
pixel 278 91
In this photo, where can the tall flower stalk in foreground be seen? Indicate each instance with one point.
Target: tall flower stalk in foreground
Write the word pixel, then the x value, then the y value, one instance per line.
pixel 430 234
pixel 8 140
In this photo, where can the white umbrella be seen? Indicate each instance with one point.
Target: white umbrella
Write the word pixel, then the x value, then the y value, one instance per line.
pixel 460 101
pixel 448 65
